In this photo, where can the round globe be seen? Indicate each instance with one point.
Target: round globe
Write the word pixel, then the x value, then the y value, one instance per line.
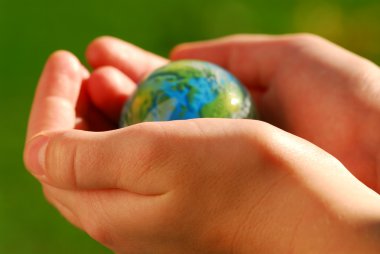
pixel 188 89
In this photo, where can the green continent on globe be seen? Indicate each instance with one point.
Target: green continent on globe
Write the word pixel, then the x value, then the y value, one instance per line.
pixel 188 89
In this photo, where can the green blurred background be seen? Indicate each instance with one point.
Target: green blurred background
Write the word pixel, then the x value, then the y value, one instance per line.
pixel 31 30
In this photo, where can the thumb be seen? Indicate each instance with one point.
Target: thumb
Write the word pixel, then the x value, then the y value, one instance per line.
pixel 108 160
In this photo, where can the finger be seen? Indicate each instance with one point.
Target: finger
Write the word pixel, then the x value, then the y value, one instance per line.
pixel 147 159
pixel 135 62
pixel 56 96
pixel 261 60
pixel 132 158
pixel 139 158
pixel 109 88
pixel 251 58
pixel 83 107
pixel 89 117
pixel 108 160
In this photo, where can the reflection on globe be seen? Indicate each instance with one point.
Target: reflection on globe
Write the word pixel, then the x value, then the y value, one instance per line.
pixel 188 89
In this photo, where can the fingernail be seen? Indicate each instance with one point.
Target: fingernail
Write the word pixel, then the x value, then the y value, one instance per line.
pixel 35 156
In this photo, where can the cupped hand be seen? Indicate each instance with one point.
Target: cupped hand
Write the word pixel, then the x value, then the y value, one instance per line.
pixel 196 186
pixel 309 87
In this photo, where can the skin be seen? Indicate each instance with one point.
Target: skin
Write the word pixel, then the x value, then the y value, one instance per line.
pixel 215 185
pixel 309 87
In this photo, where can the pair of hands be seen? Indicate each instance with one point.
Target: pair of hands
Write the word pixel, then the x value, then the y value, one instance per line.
pixel 215 185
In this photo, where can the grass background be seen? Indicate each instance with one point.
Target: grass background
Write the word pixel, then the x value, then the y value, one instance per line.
pixel 31 30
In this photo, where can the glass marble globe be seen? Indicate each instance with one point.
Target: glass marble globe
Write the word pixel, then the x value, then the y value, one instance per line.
pixel 188 89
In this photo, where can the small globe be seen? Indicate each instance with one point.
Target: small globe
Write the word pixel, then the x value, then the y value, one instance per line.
pixel 188 89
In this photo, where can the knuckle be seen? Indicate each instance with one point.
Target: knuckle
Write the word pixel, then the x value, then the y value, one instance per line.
pixel 299 41
pixel 258 136
pixel 238 37
pixel 153 155
pixel 151 141
pixel 299 45
pixel 307 38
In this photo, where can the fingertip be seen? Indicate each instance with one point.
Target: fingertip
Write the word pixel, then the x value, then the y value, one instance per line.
pixel 61 67
pixel 130 59
pixel 94 51
pixel 58 54
pixel 64 61
pixel 179 51
pixel 112 80
pixel 109 88
pixel 56 94
pixel 62 77
pixel 110 75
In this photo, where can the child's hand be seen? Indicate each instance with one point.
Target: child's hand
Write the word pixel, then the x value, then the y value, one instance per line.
pixel 196 186
pixel 311 88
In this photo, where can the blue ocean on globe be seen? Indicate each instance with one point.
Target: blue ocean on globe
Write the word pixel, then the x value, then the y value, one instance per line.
pixel 188 89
